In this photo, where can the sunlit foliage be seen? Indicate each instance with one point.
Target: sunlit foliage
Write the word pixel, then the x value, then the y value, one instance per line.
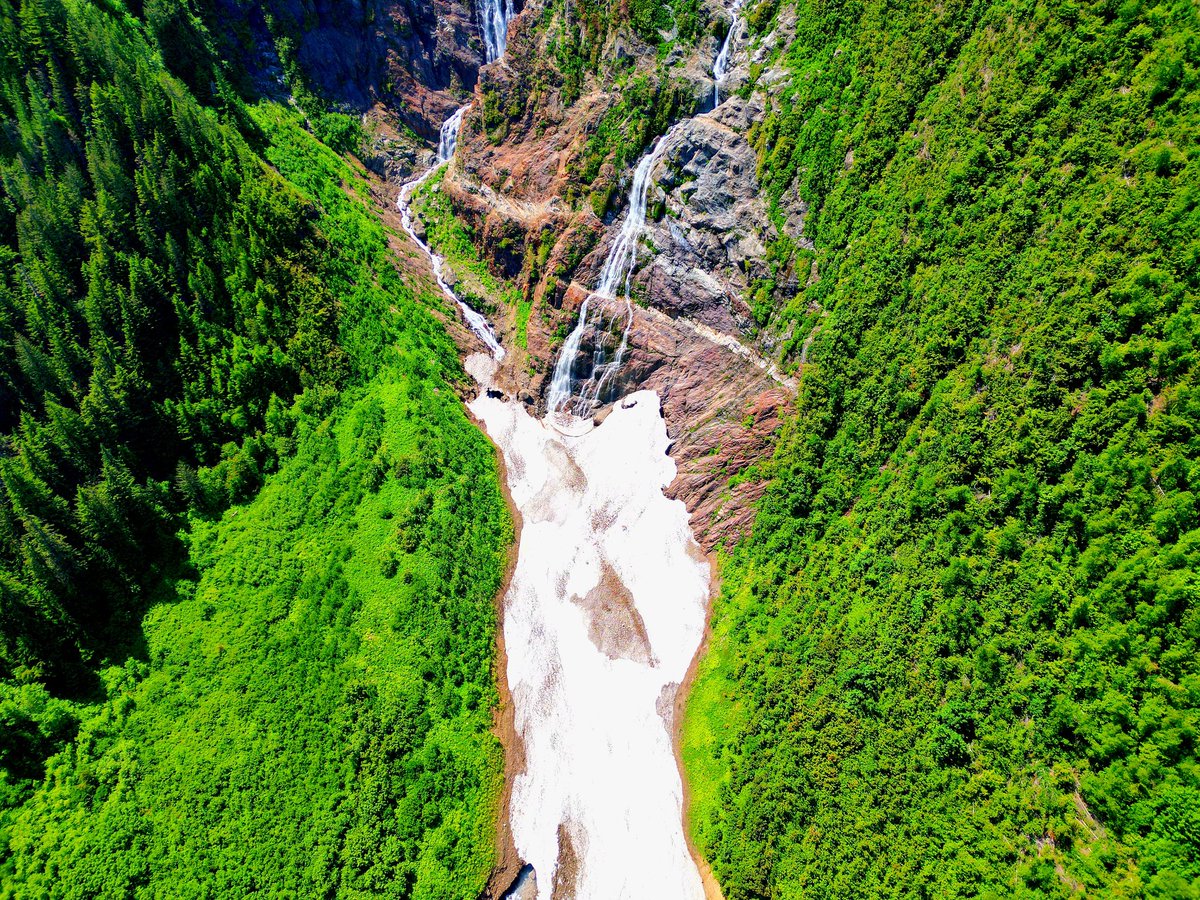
pixel 958 657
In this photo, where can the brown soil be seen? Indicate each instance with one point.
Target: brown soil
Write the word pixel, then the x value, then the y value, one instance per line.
pixel 615 626
pixel 566 873
pixel 508 863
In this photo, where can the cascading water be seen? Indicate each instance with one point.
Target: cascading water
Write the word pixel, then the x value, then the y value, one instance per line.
pixel 617 273
pixel 448 135
pixel 494 16
pixel 721 65
pixel 447 141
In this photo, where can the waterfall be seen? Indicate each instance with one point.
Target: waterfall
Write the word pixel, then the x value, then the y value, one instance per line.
pixel 494 16
pixel 605 608
pixel 447 141
pixel 617 273
pixel 448 135
pixel 621 258
pixel 721 65
pixel 618 270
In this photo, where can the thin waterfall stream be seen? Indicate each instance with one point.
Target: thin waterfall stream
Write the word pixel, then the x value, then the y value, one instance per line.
pixel 721 64
pixel 617 272
pixel 569 395
pixel 494 16
pixel 447 141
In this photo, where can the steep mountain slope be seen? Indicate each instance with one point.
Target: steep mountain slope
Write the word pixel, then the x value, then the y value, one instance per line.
pixel 916 290
pixel 955 656
pixel 958 655
pixel 412 62
pixel 249 540
pixel 163 294
pixel 543 166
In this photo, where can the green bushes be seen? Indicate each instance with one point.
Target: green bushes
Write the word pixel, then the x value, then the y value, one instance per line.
pixel 578 34
pixel 647 108
pixel 249 542
pixel 956 657
pixel 340 132
pixel 304 722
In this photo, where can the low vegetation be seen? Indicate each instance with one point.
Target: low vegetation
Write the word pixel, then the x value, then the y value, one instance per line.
pixel 475 283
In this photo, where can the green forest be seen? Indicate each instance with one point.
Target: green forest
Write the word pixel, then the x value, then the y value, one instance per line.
pixel 958 657
pixel 249 540
pixel 251 543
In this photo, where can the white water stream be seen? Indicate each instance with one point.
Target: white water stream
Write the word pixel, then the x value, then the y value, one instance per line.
pixel 617 272
pixel 447 141
pixel 494 16
pixel 721 64
pixel 564 395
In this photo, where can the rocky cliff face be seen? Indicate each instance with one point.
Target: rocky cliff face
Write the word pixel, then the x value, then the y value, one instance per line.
pixel 418 59
pixel 540 176
pixel 539 182
pixel 404 64
pixel 521 181
pixel 709 242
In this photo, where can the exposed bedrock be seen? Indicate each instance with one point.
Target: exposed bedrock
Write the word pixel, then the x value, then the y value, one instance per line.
pixel 721 409
pixel 409 62
pixel 515 181
pixel 721 402
pixel 705 241
pixel 709 227
pixel 692 337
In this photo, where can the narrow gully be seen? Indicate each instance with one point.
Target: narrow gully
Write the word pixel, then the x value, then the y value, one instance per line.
pixel 606 607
